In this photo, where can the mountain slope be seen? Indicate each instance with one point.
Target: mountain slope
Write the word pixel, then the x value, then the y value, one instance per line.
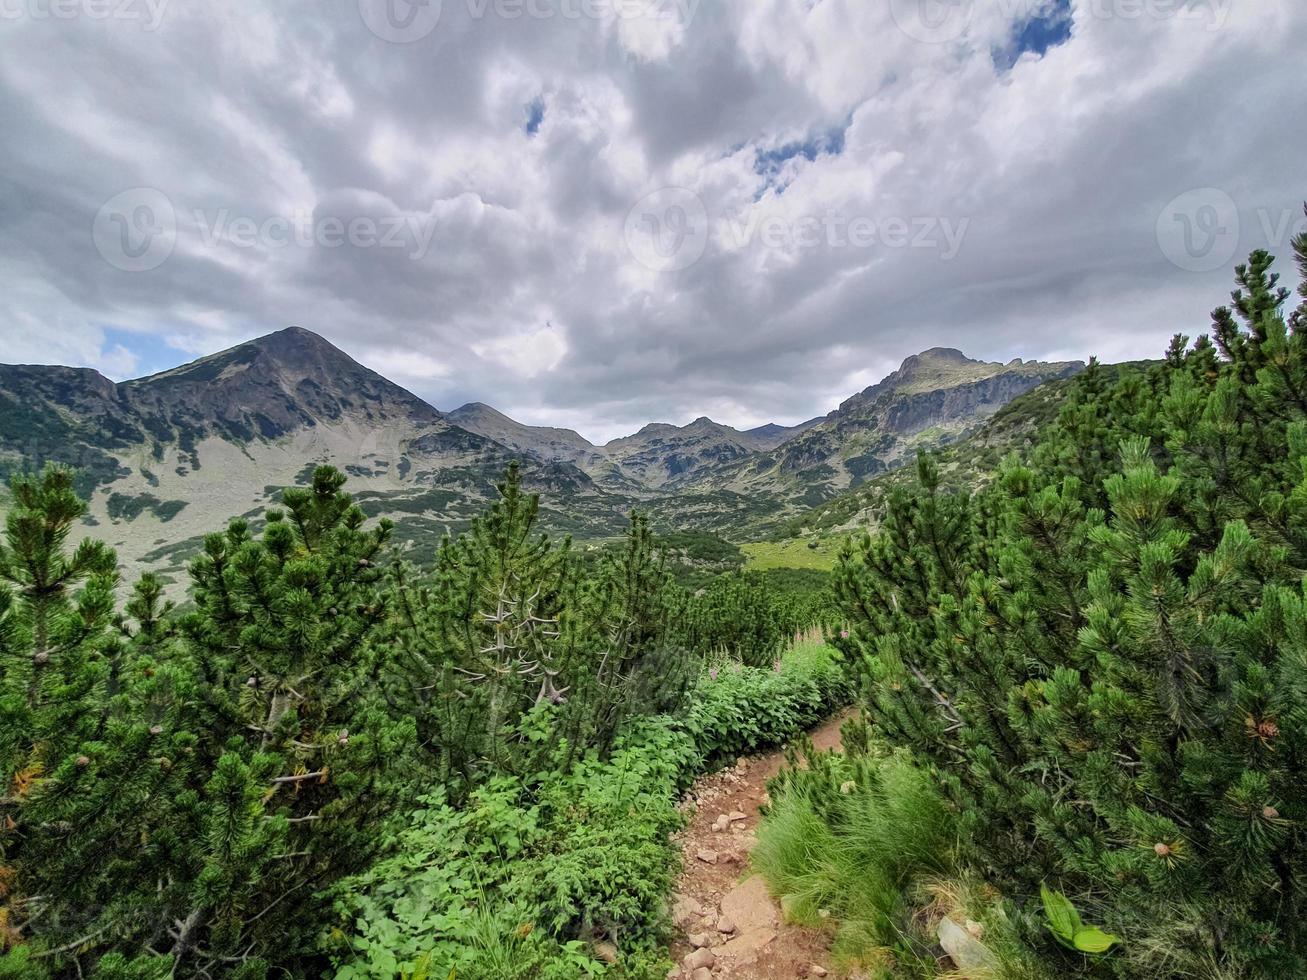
pixel 551 445
pixel 970 462
pixel 170 457
pixel 658 456
pixel 933 399
pixel 661 455
pixel 767 437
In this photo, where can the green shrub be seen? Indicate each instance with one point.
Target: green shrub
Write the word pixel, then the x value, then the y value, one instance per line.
pixel 737 709
pixel 736 616
pixel 524 877
pixel 1103 656
pixel 532 871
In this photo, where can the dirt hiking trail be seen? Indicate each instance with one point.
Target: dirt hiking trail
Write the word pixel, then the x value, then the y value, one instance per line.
pixel 727 924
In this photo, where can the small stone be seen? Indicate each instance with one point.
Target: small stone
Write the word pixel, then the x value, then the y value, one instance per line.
pixel 848 787
pixel 725 925
pixel 703 973
pixel 700 959
pixel 707 856
pixel 685 910
pixel 736 816
pixel 748 943
pixel 966 952
pixel 733 857
pixel 817 970
pixel 700 939
pixel 720 824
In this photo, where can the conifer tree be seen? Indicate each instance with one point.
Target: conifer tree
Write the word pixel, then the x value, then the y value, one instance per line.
pixel 1102 658
pixel 298 759
pixel 642 666
pixel 84 775
pixel 215 779
pixel 489 638
pixel 734 615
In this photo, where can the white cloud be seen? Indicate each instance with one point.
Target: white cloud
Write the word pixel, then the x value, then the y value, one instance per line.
pixel 1059 169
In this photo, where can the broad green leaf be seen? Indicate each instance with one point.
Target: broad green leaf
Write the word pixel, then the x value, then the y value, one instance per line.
pixel 1063 918
pixel 1093 940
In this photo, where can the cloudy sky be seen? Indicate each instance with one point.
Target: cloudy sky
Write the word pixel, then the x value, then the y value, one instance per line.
pixel 598 213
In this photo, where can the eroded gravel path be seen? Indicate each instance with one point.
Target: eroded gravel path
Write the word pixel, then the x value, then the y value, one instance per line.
pixel 727 923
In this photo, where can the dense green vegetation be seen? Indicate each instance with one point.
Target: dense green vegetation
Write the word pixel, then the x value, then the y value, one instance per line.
pixel 338 761
pixel 551 873
pixel 1083 670
pixel 1099 662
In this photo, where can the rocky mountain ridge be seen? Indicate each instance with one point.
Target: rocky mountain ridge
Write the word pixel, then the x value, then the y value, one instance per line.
pixel 172 456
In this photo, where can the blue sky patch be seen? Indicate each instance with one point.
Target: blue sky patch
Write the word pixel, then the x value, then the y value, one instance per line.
pixel 1048 27
pixel 153 353
pixel 770 163
pixel 535 115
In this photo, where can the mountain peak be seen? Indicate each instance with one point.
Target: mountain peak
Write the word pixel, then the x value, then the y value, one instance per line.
pixel 936 357
pixel 944 354
pixel 280 382
pixel 475 410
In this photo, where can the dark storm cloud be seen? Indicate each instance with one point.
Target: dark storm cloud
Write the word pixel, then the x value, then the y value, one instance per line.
pixel 457 211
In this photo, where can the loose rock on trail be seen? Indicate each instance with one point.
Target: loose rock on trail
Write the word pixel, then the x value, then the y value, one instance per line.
pixel 727 923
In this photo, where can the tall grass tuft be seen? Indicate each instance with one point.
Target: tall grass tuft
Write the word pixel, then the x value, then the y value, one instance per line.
pixel 848 839
pixel 863 842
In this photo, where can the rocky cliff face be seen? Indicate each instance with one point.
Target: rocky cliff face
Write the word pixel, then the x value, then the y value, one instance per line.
pixel 661 456
pixel 934 398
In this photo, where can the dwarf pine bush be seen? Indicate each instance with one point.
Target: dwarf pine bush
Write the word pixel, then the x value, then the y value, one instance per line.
pixel 1103 657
